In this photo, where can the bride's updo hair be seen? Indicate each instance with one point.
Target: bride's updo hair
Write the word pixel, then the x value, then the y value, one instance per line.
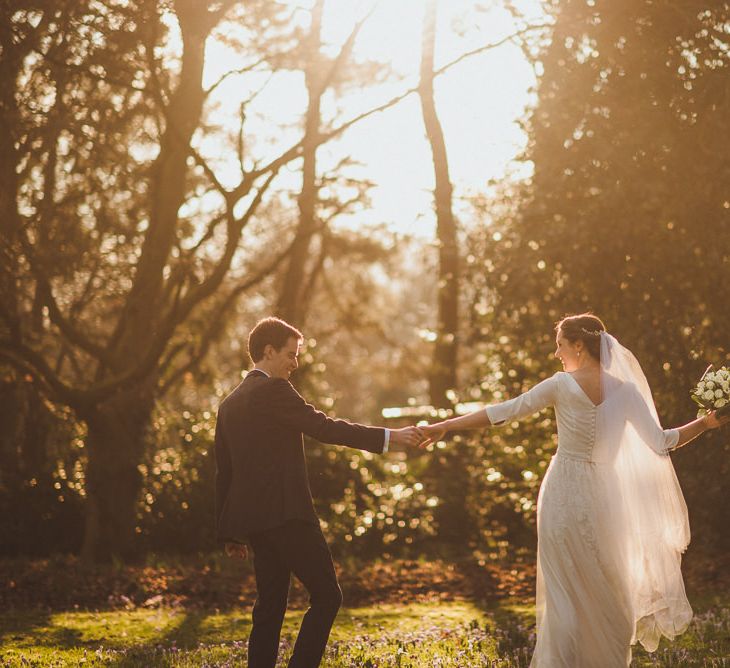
pixel 584 327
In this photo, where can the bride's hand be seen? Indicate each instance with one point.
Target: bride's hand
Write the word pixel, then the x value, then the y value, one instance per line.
pixel 433 433
pixel 715 419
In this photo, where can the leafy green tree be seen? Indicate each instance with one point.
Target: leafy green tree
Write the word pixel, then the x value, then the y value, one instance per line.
pixel 129 242
pixel 627 211
pixel 111 286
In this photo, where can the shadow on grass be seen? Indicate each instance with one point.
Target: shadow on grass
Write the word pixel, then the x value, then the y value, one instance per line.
pixel 184 636
pixel 196 629
pixel 38 629
pixel 17 626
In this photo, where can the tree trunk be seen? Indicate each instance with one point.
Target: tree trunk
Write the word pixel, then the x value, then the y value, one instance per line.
pixel 116 438
pixel 168 183
pixel 291 305
pixel 443 369
pixel 118 425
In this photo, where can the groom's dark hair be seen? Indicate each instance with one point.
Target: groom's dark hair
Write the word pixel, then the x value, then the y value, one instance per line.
pixel 272 331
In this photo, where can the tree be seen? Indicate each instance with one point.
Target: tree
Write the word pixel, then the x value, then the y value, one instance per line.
pixel 627 212
pixel 443 371
pixel 102 268
pixel 314 236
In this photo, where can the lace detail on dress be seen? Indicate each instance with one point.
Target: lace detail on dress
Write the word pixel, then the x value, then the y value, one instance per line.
pixel 572 503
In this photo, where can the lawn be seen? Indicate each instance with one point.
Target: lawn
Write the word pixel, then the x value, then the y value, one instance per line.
pixel 440 633
pixel 397 613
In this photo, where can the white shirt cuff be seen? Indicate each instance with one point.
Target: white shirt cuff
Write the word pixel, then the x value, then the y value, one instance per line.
pixel 495 415
pixel 387 441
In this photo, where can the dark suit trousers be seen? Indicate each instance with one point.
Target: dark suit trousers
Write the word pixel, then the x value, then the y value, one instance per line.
pixel 297 547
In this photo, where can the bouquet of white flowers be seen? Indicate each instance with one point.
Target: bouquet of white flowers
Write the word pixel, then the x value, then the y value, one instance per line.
pixel 712 393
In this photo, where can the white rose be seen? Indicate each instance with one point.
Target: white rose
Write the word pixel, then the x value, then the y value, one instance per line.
pixel 719 403
pixel 710 384
pixel 701 387
pixel 709 395
pixel 725 386
pixel 719 394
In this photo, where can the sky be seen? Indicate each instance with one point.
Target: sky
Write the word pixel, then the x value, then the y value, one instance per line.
pixel 479 102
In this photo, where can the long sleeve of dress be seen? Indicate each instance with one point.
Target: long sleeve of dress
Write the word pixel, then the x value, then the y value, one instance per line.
pixel 534 400
pixel 647 426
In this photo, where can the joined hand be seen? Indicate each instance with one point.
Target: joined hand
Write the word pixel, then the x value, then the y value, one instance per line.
pixel 407 436
pixel 432 434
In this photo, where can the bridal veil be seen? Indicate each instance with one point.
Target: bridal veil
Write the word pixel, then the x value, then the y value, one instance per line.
pixel 653 526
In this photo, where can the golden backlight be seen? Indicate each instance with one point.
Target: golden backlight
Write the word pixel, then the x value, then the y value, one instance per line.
pixel 480 101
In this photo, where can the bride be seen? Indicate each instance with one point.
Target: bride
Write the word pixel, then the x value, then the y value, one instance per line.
pixel 611 520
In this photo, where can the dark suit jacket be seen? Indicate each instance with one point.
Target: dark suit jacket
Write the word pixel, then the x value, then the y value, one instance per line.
pixel 261 473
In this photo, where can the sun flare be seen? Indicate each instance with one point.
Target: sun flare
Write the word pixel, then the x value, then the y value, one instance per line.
pixel 479 101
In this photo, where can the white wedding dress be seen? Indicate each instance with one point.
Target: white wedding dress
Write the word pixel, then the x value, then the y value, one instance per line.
pixel 611 520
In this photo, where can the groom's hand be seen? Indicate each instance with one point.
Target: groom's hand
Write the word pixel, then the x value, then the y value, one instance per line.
pixel 408 437
pixel 431 434
pixel 237 550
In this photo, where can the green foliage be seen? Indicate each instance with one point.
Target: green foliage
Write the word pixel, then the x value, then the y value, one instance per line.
pixel 488 489
pixel 372 507
pixel 626 214
pixel 41 473
pixel 176 507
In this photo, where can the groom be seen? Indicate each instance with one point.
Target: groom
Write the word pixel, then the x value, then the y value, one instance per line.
pixel 263 496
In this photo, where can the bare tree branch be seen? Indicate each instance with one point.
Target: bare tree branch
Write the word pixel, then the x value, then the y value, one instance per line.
pixel 308 290
pixel 239 71
pixel 352 325
pixel 214 326
pixel 240 143
pixel 66 354
pixel 235 227
pixel 244 104
pixel 208 232
pixel 27 360
pixel 249 178
pixel 343 207
pixel 71 333
pixel 345 52
pixel 492 45
pixel 441 70
pixel 200 161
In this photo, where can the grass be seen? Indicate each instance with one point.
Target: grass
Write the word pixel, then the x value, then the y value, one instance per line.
pixel 438 634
